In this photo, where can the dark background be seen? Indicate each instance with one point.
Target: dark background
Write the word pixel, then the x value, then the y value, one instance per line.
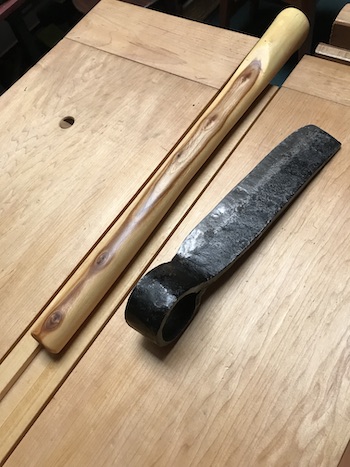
pixel 47 21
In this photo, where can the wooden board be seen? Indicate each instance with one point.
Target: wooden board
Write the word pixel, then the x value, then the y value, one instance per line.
pixel 340 35
pixel 330 52
pixel 62 188
pixel 44 373
pixel 120 117
pixel 199 52
pixel 321 78
pixel 260 377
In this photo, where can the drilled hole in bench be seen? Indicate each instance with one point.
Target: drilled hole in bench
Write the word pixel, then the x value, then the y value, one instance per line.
pixel 67 122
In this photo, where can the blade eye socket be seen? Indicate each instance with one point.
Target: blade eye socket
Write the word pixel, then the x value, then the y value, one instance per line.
pixel 180 316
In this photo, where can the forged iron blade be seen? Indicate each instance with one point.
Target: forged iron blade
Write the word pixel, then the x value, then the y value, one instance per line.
pixel 165 300
pixel 247 210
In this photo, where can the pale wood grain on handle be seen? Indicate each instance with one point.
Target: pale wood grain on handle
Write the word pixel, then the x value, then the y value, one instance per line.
pixel 92 280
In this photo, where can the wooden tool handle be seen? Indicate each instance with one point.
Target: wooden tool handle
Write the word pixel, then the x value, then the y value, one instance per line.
pixel 92 280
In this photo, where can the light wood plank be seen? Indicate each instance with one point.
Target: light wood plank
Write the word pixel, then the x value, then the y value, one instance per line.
pixel 61 189
pixel 16 362
pixel 260 377
pixel 27 398
pixel 321 78
pixel 330 52
pixel 182 47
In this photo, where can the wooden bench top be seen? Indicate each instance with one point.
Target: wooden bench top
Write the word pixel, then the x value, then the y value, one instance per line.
pixel 260 375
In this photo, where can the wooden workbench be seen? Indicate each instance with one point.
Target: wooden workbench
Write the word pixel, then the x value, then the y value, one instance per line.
pixel 261 375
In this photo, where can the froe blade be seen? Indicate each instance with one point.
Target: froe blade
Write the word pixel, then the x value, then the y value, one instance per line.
pixel 166 299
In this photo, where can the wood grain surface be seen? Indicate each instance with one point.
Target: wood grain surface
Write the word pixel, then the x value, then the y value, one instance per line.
pixel 196 51
pixel 321 78
pixel 122 113
pixel 340 34
pixel 89 284
pixel 62 188
pixel 260 377
pixel 330 52
pixel 43 374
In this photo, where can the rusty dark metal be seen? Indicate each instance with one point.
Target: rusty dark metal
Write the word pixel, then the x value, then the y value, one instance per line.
pixel 166 299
